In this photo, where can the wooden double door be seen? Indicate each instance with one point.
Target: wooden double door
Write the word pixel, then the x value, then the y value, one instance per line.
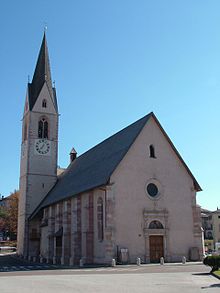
pixel 156 248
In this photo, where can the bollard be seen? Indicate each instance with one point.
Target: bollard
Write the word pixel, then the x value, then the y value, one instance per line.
pixel 183 260
pixel 113 263
pixel 81 262
pixel 162 261
pixel 138 261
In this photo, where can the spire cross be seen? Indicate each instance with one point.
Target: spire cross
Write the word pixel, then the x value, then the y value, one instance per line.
pixel 45 27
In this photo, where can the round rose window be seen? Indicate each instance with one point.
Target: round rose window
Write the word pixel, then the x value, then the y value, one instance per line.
pixel 152 189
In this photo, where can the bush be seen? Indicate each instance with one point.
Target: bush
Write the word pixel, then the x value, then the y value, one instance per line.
pixel 213 261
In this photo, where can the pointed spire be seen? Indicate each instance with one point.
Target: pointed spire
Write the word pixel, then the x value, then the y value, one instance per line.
pixel 42 74
pixel 42 70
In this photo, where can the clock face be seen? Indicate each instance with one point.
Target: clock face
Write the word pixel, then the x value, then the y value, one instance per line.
pixel 42 146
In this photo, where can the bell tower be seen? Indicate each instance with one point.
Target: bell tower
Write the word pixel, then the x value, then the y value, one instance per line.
pixel 38 164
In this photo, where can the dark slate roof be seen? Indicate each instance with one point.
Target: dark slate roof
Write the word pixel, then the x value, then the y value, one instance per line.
pixel 42 74
pixel 94 167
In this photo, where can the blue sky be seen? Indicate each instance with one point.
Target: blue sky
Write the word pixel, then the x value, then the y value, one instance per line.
pixel 114 62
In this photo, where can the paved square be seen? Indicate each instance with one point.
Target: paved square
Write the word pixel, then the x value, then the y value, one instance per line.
pixel 170 278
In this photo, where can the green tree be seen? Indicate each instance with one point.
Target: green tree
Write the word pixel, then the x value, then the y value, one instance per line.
pixel 9 215
pixel 2 218
pixel 12 212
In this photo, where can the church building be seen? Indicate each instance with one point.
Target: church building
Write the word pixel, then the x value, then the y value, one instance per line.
pixel 130 196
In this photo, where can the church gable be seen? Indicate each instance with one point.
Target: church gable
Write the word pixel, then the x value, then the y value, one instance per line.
pixel 44 102
pixel 154 148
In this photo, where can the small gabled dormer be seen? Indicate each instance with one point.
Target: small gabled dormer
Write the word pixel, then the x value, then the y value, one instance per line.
pixel 73 155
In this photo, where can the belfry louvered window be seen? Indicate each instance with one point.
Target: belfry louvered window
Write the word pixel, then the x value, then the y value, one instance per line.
pixel 43 128
pixel 44 103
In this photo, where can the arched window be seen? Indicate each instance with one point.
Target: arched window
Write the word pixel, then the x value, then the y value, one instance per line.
pixel 100 219
pixel 155 225
pixel 43 128
pixel 152 151
pixel 44 103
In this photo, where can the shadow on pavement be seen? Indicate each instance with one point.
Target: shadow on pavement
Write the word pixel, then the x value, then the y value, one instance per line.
pixel 201 274
pixel 211 286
